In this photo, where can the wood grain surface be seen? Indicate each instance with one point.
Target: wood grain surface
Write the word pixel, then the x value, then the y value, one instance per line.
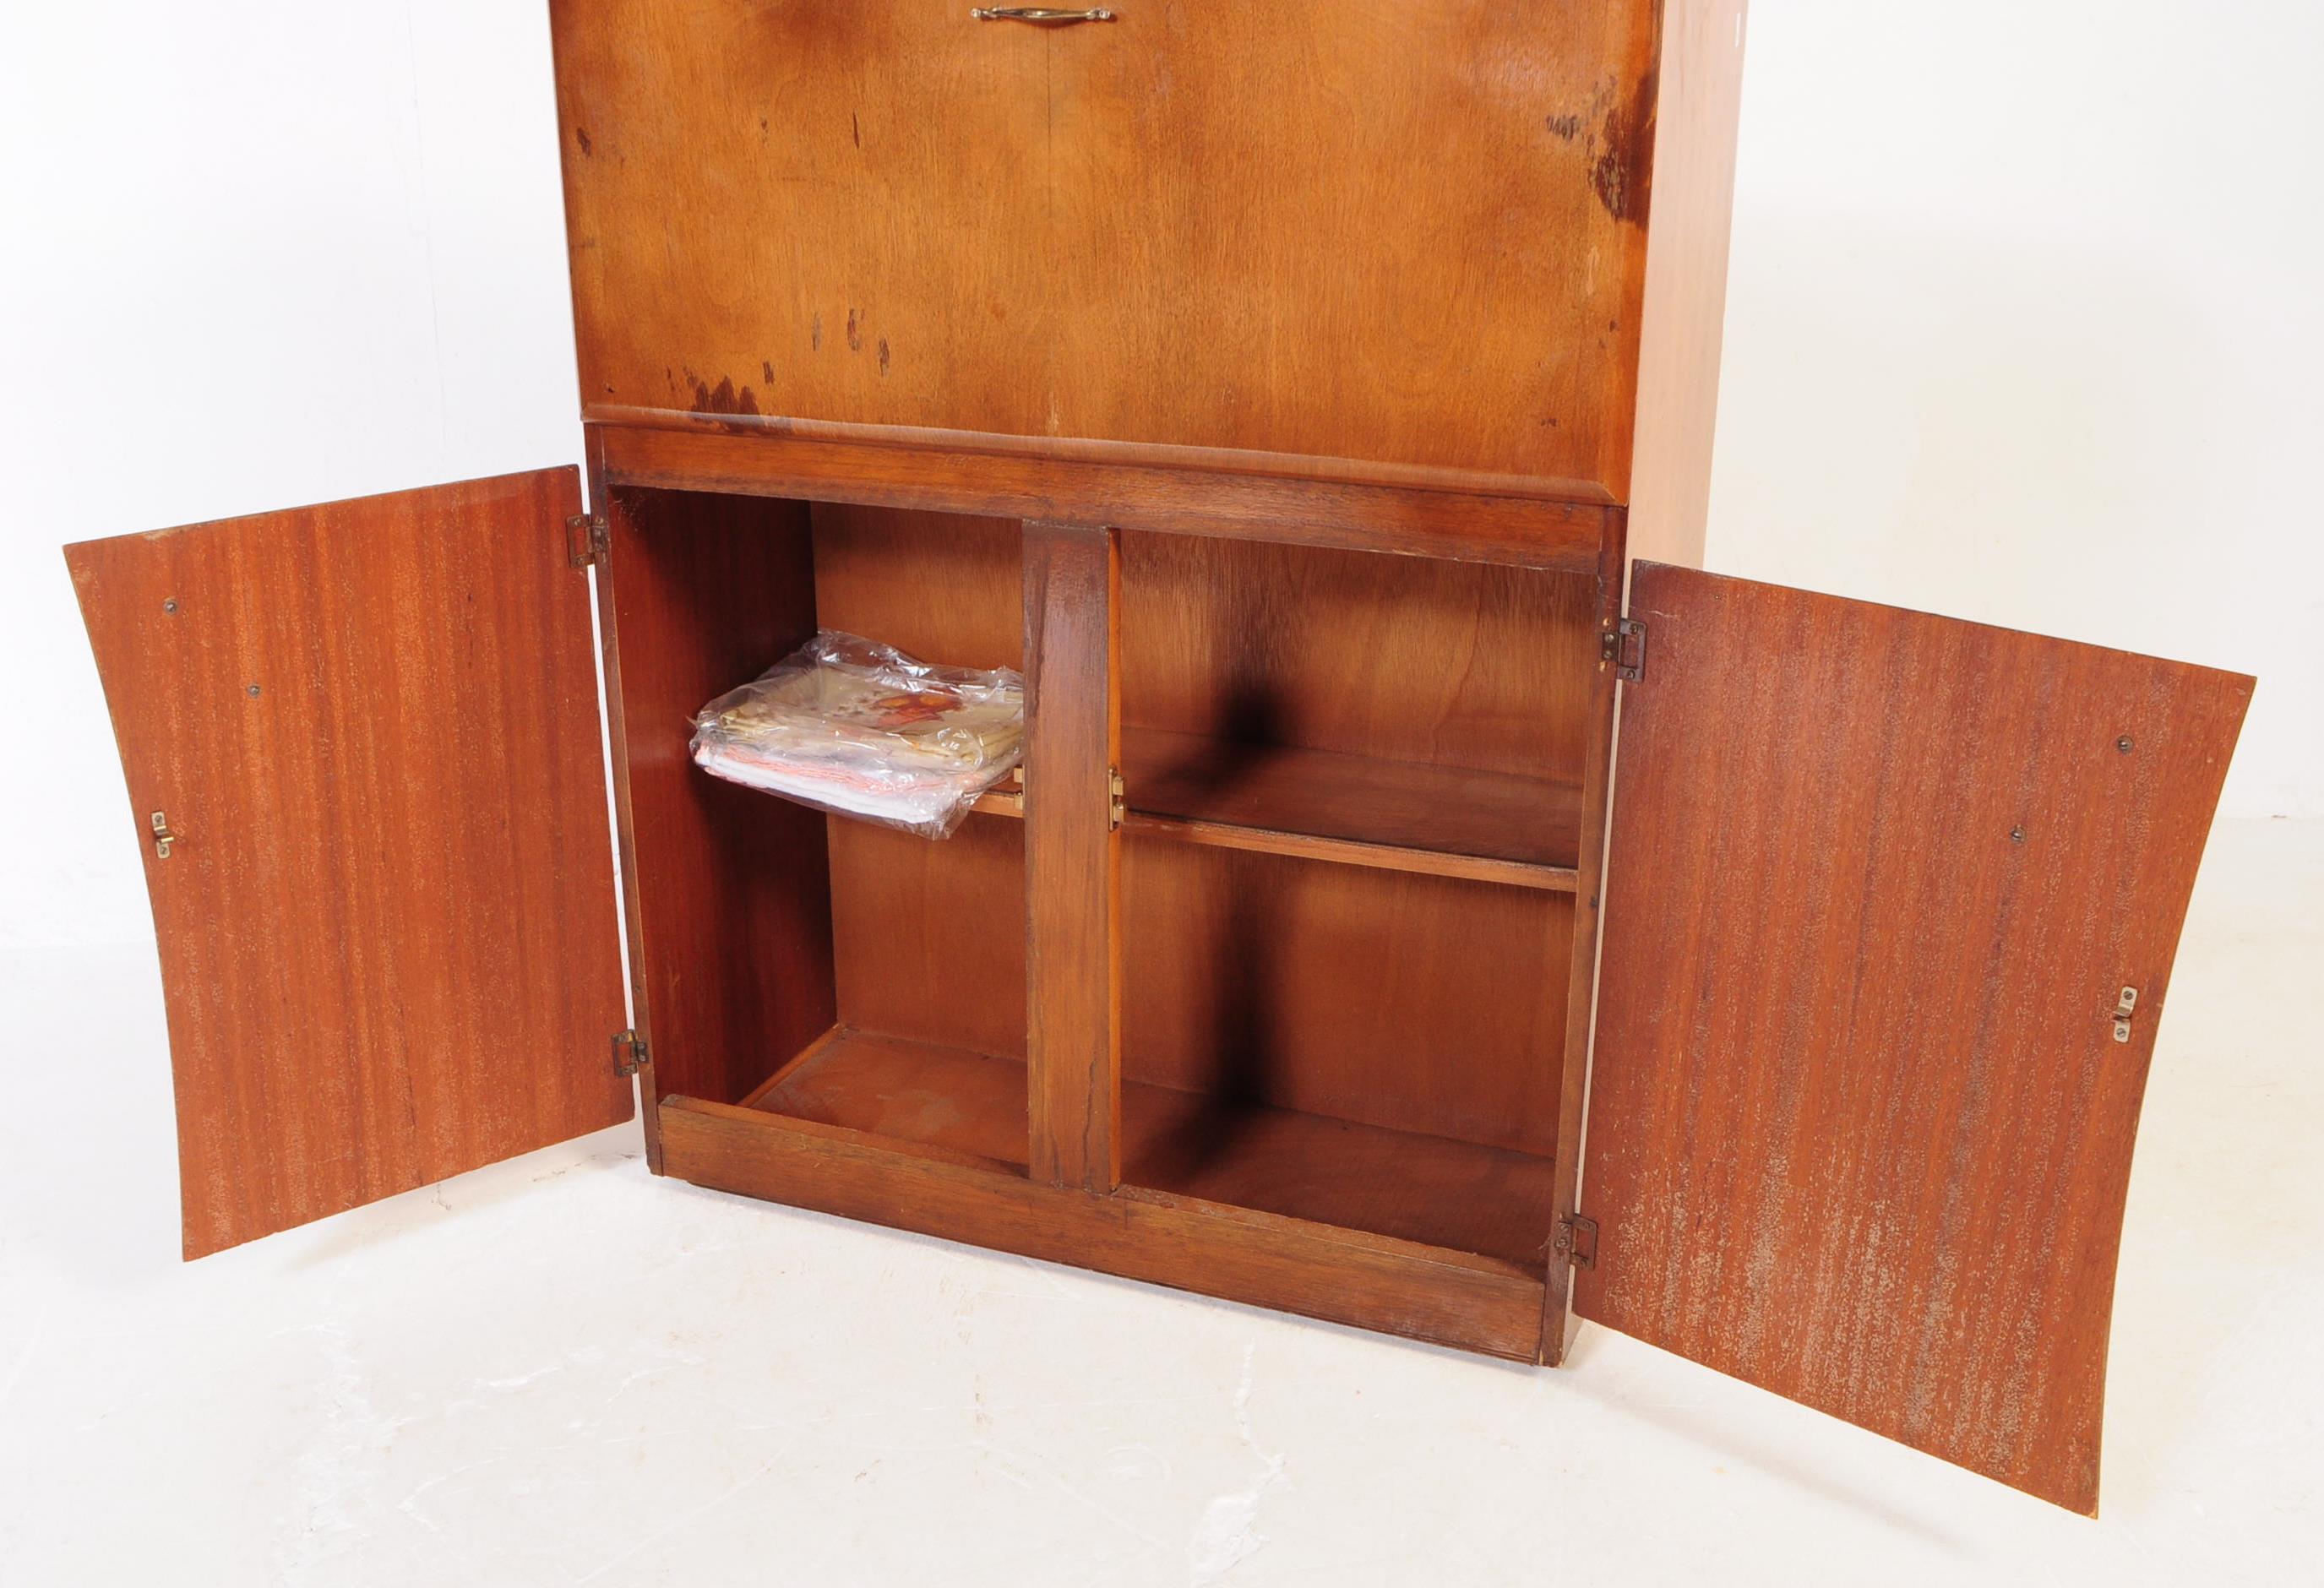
pixel 1859 1129
pixel 729 893
pixel 1453 1194
pixel 1409 1002
pixel 1409 233
pixel 928 938
pixel 1528 823
pixel 386 921
pixel 1073 852
pixel 1399 658
pixel 1373 1282
pixel 1182 496
pixel 1356 228
pixel 1699 93
pixel 1557 1320
pixel 832 211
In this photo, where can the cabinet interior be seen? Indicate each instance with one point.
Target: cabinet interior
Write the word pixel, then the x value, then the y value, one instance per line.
pixel 1352 789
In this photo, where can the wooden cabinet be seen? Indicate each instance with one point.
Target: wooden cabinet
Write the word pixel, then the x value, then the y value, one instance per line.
pixel 1315 402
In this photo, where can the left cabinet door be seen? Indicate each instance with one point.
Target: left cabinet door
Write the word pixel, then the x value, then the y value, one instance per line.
pixel 364 770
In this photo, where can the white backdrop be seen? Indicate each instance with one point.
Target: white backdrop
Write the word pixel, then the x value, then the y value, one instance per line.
pixel 2024 327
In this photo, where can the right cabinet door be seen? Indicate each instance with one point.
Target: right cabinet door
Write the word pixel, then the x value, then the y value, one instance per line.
pixel 1891 906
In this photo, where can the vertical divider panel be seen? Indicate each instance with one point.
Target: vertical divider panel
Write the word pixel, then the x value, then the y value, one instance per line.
pixel 1073 854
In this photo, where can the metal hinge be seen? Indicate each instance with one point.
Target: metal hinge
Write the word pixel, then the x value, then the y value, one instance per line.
pixel 1625 645
pixel 586 538
pixel 2124 1007
pixel 1577 1242
pixel 630 1055
pixel 1117 804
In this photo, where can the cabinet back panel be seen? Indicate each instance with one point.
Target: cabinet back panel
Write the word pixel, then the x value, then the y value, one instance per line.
pixel 929 938
pixel 945 587
pixel 729 897
pixel 1367 229
pixel 1408 1001
pixel 1402 658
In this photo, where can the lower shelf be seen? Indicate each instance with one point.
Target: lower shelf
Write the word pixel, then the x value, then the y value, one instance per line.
pixel 1455 1196
pixel 1262 1259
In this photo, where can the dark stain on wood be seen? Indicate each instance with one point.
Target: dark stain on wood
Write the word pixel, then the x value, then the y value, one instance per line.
pixel 1621 170
pixel 723 398
pixel 581 136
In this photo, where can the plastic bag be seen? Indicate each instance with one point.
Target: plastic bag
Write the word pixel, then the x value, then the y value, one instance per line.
pixel 845 723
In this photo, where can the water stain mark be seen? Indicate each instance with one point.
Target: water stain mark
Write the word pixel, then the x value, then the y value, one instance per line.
pixel 1621 149
pixel 723 398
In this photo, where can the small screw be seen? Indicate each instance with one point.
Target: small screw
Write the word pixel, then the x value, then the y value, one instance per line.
pixel 2017 835
pixel 253 688
pixel 2123 744
pixel 169 605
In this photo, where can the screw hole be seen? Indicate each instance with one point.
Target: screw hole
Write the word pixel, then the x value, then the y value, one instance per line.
pixel 169 605
pixel 2017 835
pixel 2123 744
pixel 253 688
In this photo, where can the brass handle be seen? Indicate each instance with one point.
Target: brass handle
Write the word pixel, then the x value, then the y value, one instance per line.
pixel 1036 14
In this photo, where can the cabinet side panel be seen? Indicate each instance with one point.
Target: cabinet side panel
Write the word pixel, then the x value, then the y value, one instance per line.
pixel 1686 310
pixel 730 903
pixel 1557 1321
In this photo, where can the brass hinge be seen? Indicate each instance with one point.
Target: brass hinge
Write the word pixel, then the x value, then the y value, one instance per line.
pixel 1625 645
pixel 586 538
pixel 630 1055
pixel 1577 1242
pixel 1117 804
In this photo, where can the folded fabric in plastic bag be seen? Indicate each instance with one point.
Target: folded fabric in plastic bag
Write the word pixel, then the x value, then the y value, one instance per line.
pixel 847 724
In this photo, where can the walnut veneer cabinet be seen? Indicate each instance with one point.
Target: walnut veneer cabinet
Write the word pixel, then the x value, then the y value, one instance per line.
pixel 1314 400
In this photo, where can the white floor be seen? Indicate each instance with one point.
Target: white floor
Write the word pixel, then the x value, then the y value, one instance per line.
pixel 561 1371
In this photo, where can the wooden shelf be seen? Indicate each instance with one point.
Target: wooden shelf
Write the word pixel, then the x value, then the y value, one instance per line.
pixel 1351 809
pixel 1483 1201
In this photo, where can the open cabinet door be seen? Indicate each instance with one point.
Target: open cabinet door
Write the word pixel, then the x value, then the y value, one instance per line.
pixel 364 764
pixel 1891 906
